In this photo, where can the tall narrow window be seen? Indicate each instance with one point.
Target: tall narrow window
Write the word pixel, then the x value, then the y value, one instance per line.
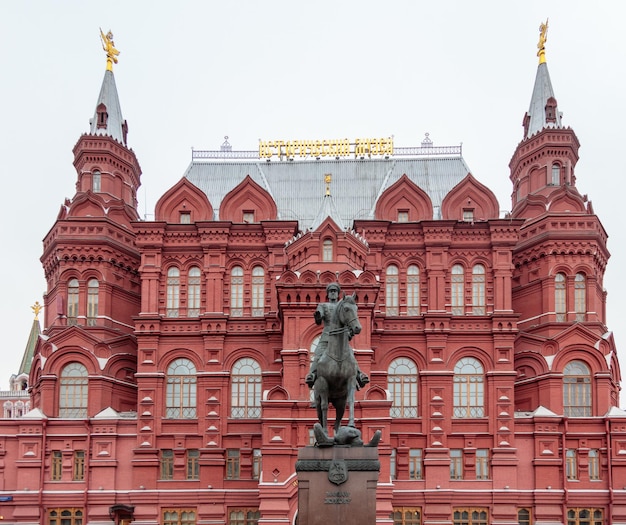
pixel 180 397
pixel 571 464
pixel 258 291
pixel 478 289
pixel 402 382
pixel 391 290
pixel 73 391
pixel 482 463
pixel 72 302
pixel 393 462
pixel 458 290
pixel 93 289
pixel 556 175
pixel 173 291
pixel 594 464
pixel 193 292
pixel 580 297
pixel 193 464
pixel 413 290
pixel 179 517
pixel 236 291
pixel 96 180
pixel 456 463
pixel 415 463
pixel 560 303
pixel 246 389
pixel 232 464
pixel 468 388
pixel 327 250
pixel 407 516
pixel 256 463
pixel 244 517
pixel 576 390
pixel 78 470
pixel 167 464
pixel 185 217
pixel 56 465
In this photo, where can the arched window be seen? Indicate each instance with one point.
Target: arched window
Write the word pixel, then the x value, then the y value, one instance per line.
pixel 413 290
pixel 173 291
pixel 180 397
pixel 327 250
pixel 96 180
pixel 523 516
pixel 576 390
pixel 93 288
pixel 580 297
pixel 73 391
pixel 8 410
pixel 246 389
pixel 468 388
pixel 236 291
pixel 193 292
pixel 402 384
pixel 457 289
pixel 478 289
pixel 556 175
pixel 72 301
pixel 391 290
pixel 560 303
pixel 258 291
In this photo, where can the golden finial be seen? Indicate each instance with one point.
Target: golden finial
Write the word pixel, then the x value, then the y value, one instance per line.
pixel 327 179
pixel 541 46
pixel 36 308
pixel 109 48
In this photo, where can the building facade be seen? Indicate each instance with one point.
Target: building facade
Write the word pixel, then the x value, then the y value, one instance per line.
pixel 168 384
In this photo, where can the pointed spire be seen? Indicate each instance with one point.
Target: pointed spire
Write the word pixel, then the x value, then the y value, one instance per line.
pixel 328 208
pixel 543 111
pixel 107 119
pixel 33 336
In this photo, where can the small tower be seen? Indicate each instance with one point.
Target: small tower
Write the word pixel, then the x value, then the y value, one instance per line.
pixel 559 262
pixel 91 267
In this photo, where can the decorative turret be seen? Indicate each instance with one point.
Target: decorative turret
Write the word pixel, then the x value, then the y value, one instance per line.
pixel 327 209
pixel 91 264
pixel 559 261
pixel 106 167
pixel 545 159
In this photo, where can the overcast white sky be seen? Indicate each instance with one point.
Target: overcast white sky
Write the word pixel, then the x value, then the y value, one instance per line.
pixel 191 72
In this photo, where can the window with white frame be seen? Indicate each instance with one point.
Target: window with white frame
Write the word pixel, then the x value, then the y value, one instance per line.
pixel 180 397
pixel 246 389
pixel 468 388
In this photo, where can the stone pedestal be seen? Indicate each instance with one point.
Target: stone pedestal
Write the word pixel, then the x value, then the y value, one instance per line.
pixel 337 485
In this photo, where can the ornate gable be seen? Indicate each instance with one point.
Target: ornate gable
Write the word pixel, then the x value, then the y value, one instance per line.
pixel 183 202
pixel 470 197
pixel 248 202
pixel 404 198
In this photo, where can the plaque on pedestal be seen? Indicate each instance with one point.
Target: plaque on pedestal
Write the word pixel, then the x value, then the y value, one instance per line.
pixel 337 485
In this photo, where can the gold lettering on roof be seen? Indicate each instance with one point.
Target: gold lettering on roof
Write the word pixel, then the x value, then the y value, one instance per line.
pixel 291 149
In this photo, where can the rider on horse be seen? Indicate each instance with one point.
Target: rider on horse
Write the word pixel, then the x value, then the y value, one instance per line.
pixel 323 314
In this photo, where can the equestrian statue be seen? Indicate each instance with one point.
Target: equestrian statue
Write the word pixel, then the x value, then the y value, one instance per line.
pixel 334 374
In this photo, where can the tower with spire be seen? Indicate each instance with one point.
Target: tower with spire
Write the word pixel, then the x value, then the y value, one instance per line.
pixel 561 258
pixel 91 264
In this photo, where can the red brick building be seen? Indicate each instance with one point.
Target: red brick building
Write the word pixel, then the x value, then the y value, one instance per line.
pixel 168 383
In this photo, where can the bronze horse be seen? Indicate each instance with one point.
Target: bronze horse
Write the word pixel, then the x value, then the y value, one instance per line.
pixel 337 367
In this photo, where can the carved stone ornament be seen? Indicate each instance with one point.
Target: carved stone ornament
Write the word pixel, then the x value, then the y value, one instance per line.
pixel 338 472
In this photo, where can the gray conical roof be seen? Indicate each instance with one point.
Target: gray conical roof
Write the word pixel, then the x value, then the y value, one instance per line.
pixel 537 110
pixel 115 122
